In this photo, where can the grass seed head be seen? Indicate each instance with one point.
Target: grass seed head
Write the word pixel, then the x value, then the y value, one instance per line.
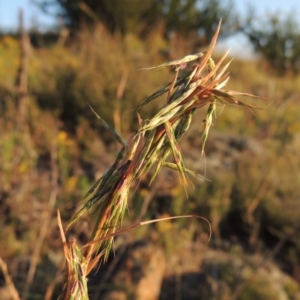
pixel 156 138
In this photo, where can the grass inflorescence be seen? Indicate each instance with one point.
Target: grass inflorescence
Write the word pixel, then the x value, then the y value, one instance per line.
pixel 147 151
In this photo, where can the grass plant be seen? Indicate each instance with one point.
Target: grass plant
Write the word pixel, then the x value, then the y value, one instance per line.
pixel 147 150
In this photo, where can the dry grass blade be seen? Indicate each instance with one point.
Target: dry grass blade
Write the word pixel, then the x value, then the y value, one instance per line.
pixel 214 68
pixel 229 99
pixel 123 230
pixel 209 51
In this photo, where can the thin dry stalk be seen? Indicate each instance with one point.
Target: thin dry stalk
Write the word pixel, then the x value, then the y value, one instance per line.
pixel 119 96
pixel 22 77
pixel 46 216
pixel 14 293
pixel 74 281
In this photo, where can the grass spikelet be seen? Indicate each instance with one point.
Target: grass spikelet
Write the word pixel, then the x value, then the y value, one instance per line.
pixel 164 89
pixel 176 153
pixel 74 281
pixel 174 167
pixel 179 62
pixel 207 123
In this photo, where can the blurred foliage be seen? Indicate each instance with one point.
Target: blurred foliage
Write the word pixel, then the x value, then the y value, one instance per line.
pixel 186 17
pixel 118 16
pixel 277 40
pixel 197 17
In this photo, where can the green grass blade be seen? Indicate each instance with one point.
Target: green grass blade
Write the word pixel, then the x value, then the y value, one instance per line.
pixel 109 128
